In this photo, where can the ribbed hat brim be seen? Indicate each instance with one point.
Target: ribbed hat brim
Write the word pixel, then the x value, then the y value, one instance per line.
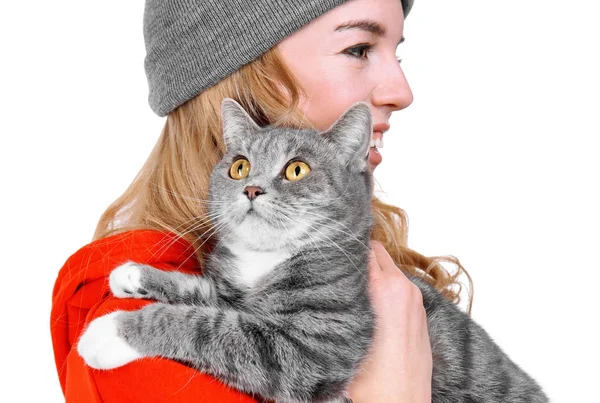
pixel 191 45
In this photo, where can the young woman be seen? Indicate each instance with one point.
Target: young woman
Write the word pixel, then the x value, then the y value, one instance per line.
pixel 292 63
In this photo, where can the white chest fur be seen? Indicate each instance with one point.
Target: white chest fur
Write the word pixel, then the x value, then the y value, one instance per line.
pixel 254 264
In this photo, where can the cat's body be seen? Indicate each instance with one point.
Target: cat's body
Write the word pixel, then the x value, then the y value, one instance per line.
pixel 282 309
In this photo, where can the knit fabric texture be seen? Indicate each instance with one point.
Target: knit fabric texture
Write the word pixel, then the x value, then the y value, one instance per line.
pixel 193 44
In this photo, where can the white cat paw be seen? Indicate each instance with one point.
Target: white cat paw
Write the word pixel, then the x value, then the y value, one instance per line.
pixel 125 281
pixel 101 346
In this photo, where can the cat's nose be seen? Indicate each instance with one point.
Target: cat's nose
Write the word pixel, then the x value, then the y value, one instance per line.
pixel 253 191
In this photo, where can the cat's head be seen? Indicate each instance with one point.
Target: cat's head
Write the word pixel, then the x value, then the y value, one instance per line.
pixel 281 188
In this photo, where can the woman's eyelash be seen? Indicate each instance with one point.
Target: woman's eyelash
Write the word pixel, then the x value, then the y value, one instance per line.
pixel 360 49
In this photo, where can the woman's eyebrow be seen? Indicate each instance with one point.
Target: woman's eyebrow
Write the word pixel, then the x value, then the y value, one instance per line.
pixel 366 25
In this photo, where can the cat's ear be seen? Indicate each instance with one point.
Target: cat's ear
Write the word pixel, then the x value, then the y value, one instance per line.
pixel 351 133
pixel 236 122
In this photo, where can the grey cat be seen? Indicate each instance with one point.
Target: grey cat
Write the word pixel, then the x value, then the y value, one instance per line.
pixel 282 309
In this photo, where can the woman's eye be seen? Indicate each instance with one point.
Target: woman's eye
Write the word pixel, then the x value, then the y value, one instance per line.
pixel 361 52
pixel 358 51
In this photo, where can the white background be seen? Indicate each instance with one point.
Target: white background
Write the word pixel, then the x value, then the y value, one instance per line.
pixel 496 162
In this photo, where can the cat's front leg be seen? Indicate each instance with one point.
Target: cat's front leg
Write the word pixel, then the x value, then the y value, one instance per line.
pixel 134 280
pixel 102 346
pixel 113 340
pixel 246 351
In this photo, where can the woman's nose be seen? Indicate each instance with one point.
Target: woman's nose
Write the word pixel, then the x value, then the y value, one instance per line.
pixel 392 90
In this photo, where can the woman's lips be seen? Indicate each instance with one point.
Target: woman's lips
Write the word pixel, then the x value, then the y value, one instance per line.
pixel 374 155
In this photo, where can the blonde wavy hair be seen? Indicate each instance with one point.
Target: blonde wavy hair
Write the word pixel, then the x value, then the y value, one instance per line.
pixel 170 192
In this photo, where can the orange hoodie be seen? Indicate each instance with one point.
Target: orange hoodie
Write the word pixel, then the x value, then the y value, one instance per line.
pixel 81 293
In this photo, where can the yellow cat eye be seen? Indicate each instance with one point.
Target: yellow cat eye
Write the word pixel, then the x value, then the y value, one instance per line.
pixel 296 171
pixel 239 169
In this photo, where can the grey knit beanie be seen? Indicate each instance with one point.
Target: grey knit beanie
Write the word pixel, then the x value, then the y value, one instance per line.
pixel 193 44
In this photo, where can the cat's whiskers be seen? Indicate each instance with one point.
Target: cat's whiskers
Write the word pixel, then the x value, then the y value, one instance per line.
pixel 215 224
pixel 299 220
pixel 215 229
pixel 179 235
pixel 314 241
pixel 207 229
pixel 197 222
pixel 186 197
pixel 311 204
pixel 347 232
pixel 337 223
pixel 333 243
pixel 281 212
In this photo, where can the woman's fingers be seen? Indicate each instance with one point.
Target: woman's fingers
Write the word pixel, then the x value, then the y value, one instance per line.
pixel 384 260
pixel 399 365
pixel 388 278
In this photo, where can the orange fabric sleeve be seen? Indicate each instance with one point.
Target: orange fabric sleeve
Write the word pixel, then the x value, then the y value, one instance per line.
pixel 81 294
pixel 145 380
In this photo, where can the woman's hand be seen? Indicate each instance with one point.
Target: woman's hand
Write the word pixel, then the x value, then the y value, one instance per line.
pixel 399 365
